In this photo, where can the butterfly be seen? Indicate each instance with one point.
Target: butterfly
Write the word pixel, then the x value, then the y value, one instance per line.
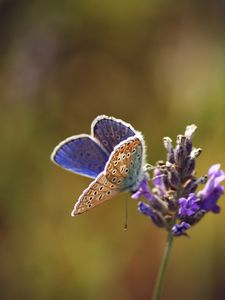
pixel 113 154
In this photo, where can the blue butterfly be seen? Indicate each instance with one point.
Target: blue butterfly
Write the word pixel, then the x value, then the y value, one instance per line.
pixel 113 154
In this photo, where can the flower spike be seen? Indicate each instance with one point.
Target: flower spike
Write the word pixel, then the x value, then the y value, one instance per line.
pixel 173 202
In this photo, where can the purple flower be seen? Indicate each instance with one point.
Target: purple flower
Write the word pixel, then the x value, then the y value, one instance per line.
pixel 155 216
pixel 159 181
pixel 212 190
pixel 188 206
pixel 145 209
pixel 180 229
pixel 144 191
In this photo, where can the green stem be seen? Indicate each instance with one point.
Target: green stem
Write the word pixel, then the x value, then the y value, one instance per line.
pixel 162 271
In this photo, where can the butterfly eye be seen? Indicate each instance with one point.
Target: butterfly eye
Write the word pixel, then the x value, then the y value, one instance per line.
pixel 108 192
pixel 114 179
pixel 89 205
pixel 112 185
pixel 126 170
pixel 128 155
pixel 124 156
pixel 114 172
pixel 133 151
pixel 95 193
pixel 101 188
pixel 100 197
pixel 115 163
pixel 118 181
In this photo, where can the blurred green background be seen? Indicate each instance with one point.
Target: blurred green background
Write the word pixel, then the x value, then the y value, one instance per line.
pixel 159 65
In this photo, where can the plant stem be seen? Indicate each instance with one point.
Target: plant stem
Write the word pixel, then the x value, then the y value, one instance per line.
pixel 162 271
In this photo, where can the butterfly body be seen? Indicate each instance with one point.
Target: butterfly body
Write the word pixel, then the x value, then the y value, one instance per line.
pixel 116 160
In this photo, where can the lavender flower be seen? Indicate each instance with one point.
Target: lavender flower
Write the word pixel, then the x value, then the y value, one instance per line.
pixel 188 206
pixel 173 202
pixel 212 190
pixel 180 229
pixel 144 190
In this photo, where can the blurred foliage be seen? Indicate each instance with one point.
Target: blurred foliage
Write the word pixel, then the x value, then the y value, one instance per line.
pixel 159 65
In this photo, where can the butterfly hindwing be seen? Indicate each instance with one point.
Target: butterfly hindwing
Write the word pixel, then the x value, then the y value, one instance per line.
pixel 82 155
pixel 100 190
pixel 110 131
pixel 122 172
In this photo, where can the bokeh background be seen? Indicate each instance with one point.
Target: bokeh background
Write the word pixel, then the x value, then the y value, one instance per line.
pixel 159 65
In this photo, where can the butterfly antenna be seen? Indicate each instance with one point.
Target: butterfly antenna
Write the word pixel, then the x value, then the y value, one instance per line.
pixel 126 214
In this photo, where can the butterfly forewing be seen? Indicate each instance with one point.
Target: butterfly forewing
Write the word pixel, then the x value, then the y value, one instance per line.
pixel 100 190
pixel 122 173
pixel 128 162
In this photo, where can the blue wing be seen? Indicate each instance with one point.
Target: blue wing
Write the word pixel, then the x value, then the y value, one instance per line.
pixel 110 131
pixel 80 154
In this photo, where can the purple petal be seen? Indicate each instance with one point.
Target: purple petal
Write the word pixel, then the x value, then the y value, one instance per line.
pixel 188 206
pixel 145 209
pixel 213 169
pixel 180 229
pixel 158 181
pixel 210 202
pixel 144 191
pixel 212 190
